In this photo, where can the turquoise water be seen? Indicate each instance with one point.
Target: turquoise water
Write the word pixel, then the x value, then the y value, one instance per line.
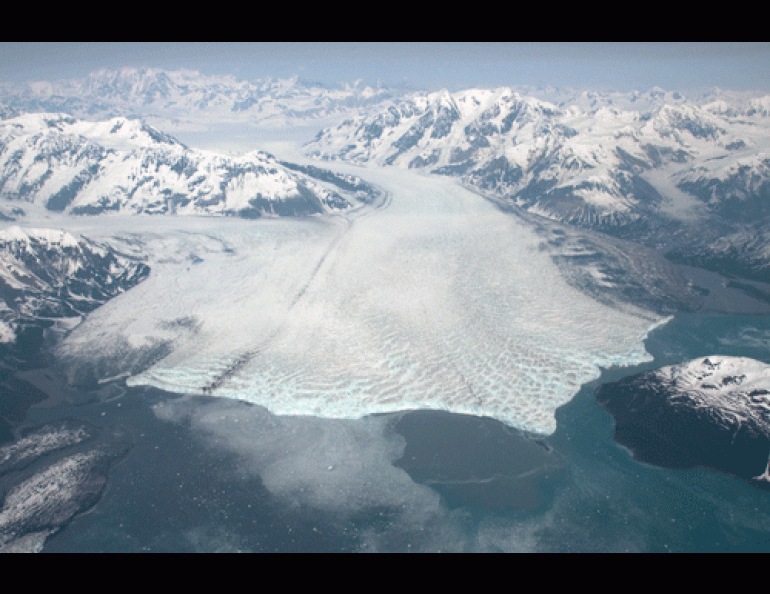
pixel 666 510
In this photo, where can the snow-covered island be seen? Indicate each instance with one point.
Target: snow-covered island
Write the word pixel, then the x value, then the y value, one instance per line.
pixel 712 412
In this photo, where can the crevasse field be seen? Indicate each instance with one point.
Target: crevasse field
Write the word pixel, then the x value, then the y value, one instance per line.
pixel 431 299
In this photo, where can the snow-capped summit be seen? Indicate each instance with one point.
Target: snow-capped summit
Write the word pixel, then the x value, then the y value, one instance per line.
pixel 739 384
pixel 123 165
pixel 119 133
pixel 675 120
pixel 133 84
pixel 712 412
pixel 123 133
pixel 27 237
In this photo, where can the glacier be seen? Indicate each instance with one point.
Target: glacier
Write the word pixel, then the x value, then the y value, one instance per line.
pixel 434 299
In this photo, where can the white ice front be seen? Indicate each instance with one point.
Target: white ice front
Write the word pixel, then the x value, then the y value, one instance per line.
pixel 437 301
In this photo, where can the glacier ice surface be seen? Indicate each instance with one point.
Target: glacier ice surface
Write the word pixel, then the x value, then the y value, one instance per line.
pixel 438 300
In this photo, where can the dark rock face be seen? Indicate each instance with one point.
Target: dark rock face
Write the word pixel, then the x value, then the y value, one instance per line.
pixel 712 413
pixel 47 275
pixel 51 474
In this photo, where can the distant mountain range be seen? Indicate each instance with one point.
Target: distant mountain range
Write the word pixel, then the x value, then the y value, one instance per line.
pixel 186 95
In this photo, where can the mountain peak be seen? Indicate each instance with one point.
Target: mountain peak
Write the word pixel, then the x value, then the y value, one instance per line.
pixel 581 162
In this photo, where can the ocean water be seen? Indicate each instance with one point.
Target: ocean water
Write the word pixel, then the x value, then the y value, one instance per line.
pixel 215 475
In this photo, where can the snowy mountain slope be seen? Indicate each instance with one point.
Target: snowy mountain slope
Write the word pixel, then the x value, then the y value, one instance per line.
pixel 50 274
pixel 68 165
pixel 583 163
pixel 189 96
pixel 712 412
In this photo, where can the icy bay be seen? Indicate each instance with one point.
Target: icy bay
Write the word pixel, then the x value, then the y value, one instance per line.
pixel 433 299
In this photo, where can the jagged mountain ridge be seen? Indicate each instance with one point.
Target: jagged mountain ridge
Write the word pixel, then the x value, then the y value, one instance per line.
pixel 122 165
pixel 583 165
pixel 635 165
pixel 50 274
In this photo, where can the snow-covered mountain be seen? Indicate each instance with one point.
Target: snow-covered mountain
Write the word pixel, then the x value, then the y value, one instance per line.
pixel 188 95
pixel 48 275
pixel 79 167
pixel 593 158
pixel 587 162
pixel 712 412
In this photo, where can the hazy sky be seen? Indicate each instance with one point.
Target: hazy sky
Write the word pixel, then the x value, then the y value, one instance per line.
pixel 683 66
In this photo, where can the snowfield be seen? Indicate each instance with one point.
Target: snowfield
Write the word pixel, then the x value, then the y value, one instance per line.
pixel 435 299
